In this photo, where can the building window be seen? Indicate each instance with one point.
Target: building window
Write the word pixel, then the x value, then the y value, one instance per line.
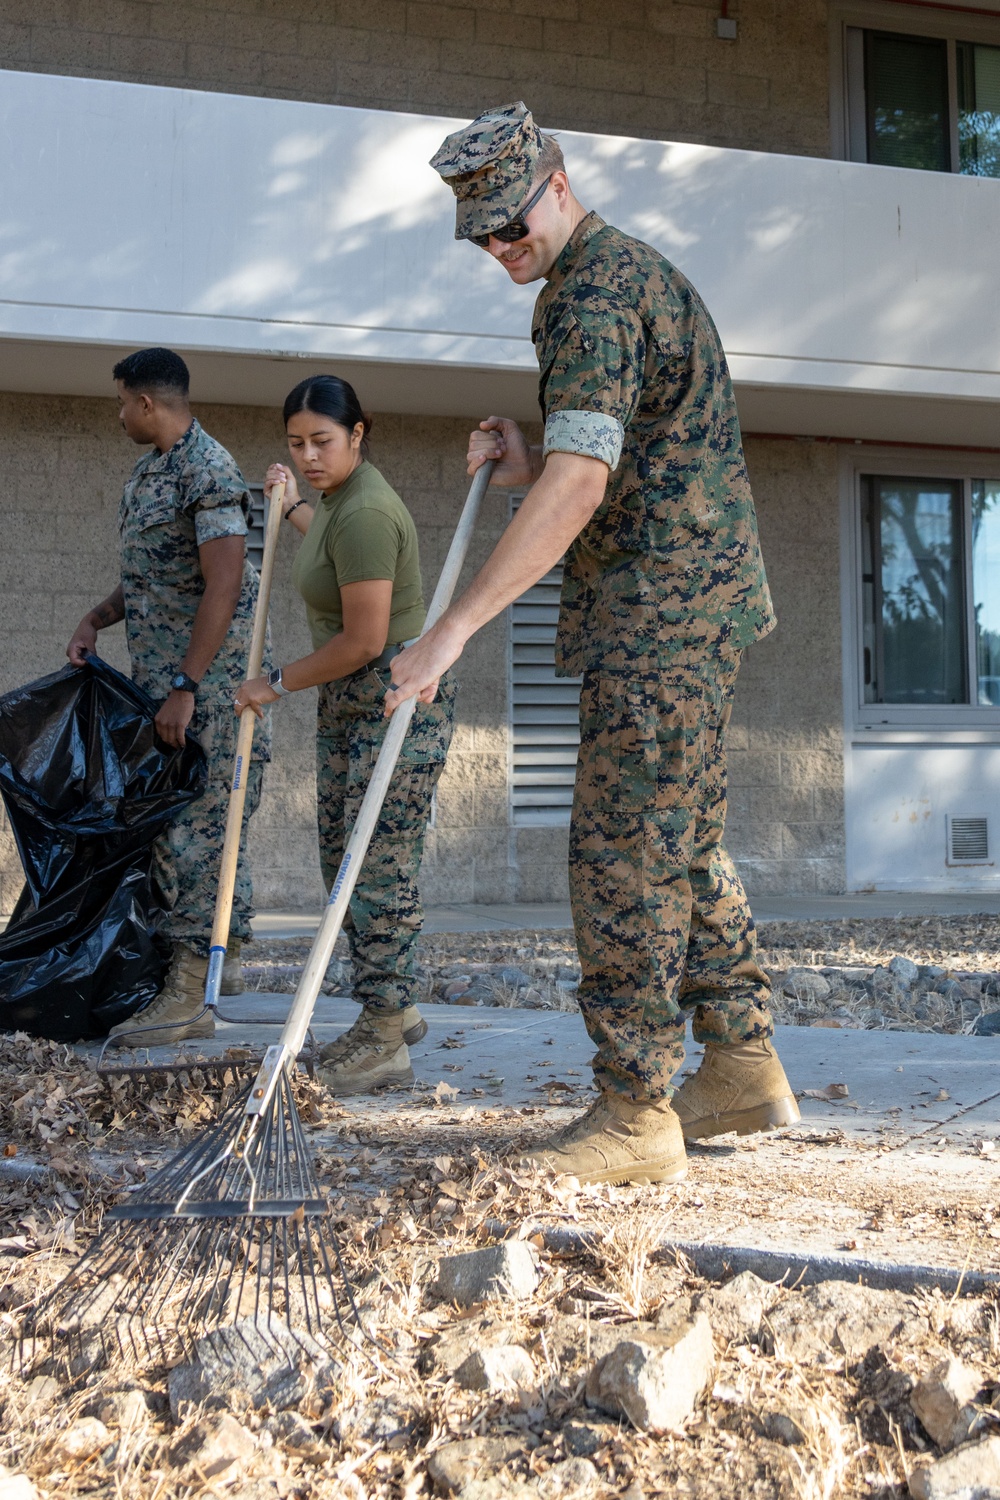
pixel 930 590
pixel 930 102
pixel 544 710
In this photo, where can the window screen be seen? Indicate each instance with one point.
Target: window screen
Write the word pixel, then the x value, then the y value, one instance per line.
pixel 906 101
pixel 986 588
pixel 978 109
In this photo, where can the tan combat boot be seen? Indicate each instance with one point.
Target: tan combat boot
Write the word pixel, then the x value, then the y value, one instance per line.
pixel 739 1086
pixel 371 1055
pixel 617 1140
pixel 177 1013
pixel 232 968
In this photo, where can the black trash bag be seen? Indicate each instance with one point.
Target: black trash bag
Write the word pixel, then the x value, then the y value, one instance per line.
pixel 88 785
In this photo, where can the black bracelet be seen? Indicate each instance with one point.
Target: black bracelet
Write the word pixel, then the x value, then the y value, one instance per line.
pixel 293 507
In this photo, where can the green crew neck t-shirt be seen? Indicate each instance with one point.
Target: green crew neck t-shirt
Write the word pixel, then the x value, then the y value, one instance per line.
pixel 359 532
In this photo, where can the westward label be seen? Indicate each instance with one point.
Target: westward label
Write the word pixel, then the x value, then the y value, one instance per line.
pixel 341 876
pixel 237 773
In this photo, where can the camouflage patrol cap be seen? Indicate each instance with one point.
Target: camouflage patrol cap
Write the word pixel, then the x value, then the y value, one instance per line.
pixel 490 167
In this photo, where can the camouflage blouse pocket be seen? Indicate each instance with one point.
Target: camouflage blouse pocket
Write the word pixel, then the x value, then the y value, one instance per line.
pixel 144 514
pixel 616 741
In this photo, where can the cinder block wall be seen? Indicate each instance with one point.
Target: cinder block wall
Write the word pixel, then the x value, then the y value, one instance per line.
pixel 786 761
pixel 62 465
pixel 623 67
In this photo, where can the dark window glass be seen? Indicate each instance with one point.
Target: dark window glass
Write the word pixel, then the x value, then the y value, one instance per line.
pixel 915 626
pixel 906 89
pixel 986 588
pixel 978 110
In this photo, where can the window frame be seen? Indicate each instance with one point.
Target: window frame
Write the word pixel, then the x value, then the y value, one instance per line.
pixel 848 133
pixel 892 720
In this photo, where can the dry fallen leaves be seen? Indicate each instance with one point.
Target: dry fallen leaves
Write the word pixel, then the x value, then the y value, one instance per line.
pixel 831 1092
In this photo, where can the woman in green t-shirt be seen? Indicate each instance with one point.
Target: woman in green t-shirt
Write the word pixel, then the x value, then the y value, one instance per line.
pixel 358 570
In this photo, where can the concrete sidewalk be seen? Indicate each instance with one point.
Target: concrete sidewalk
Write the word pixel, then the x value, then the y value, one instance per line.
pixel 546 915
pixel 918 1086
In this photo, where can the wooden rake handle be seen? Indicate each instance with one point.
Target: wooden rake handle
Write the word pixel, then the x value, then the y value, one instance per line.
pixel 295 1027
pixel 241 764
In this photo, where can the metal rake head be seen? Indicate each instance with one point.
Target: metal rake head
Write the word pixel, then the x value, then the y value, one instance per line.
pixel 233 1228
pixel 243 1164
pixel 148 1291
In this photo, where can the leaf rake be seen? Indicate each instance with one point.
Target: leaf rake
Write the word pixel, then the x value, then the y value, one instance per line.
pixel 234 1230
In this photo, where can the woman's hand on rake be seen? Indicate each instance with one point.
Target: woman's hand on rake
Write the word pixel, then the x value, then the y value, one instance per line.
pixel 255 694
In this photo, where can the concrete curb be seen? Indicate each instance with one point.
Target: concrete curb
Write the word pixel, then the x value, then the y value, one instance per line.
pixel 720 1262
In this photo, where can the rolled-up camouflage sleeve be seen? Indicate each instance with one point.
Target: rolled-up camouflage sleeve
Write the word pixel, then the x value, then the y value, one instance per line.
pixel 587 432
pixel 591 386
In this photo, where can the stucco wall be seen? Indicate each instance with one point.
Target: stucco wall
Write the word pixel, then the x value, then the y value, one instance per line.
pixel 623 67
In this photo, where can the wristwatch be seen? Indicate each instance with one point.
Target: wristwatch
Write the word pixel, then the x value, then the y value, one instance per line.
pixel 182 683
pixel 274 681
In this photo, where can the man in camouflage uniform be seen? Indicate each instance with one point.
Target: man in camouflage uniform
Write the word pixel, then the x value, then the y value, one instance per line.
pixel 641 476
pixel 187 596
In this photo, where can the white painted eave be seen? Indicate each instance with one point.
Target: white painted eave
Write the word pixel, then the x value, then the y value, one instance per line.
pixel 265 237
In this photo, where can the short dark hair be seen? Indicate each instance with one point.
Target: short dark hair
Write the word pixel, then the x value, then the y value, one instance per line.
pixel 329 396
pixel 153 369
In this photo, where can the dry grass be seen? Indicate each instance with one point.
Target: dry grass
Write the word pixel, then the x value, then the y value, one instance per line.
pixel 429 1179
pixel 406 1189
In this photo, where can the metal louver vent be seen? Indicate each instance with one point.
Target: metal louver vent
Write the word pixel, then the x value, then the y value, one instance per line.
pixel 544 711
pixel 255 538
pixel 968 841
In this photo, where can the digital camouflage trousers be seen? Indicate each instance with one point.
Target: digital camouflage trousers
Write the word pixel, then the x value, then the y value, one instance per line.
pixel 662 921
pixel 187 857
pixel 385 916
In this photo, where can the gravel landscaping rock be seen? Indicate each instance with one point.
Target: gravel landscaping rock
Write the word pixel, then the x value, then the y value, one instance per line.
pixel 945 1402
pixel 806 984
pixel 456 1465
pixel 213 1446
pixel 970 1473
pixel 904 971
pixel 87 1436
pixel 736 1310
pixel 128 1410
pixel 572 1478
pixel 498 1369
pixel 277 1371
pixel 837 1318
pixel 16 1486
pixel 507 1270
pixel 655 1385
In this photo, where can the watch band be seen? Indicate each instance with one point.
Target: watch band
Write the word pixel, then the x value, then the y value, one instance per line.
pixel 182 683
pixel 274 681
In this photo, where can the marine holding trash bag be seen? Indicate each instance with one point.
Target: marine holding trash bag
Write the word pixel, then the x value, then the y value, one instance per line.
pixel 187 596
pixel 358 571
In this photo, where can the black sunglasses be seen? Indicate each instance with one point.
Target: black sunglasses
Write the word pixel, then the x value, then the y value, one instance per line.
pixel 517 229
